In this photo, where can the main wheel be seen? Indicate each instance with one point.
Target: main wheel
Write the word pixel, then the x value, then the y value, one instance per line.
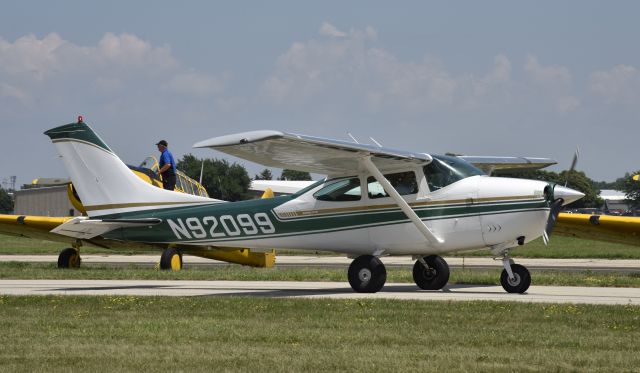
pixel 367 274
pixel 171 259
pixel 521 279
pixel 433 278
pixel 69 258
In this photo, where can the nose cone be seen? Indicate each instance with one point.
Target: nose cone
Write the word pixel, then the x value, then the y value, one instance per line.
pixel 567 194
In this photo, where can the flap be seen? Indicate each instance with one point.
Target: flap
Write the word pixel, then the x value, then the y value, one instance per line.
pixel 308 153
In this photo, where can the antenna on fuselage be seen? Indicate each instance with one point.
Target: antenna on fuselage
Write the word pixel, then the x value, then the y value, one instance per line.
pixel 353 138
pixel 201 171
pixel 375 142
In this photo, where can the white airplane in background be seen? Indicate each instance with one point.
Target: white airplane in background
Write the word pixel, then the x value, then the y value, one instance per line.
pixel 375 202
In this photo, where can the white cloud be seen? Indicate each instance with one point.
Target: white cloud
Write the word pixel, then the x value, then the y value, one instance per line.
pixel 620 85
pixel 347 69
pixel 117 64
pixel 328 29
pixel 553 83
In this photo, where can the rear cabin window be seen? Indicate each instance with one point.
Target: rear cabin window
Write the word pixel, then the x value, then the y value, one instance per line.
pixel 445 170
pixel 340 190
pixel 403 182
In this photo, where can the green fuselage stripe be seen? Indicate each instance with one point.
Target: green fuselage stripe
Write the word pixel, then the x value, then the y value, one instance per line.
pixel 202 215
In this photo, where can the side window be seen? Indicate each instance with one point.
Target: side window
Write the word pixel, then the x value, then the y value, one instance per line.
pixel 404 182
pixel 340 190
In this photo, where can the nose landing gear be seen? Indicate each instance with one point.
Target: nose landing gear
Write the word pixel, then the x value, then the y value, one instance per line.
pixel 515 278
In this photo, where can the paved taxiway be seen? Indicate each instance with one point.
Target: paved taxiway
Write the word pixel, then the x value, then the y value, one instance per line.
pixel 343 262
pixel 335 290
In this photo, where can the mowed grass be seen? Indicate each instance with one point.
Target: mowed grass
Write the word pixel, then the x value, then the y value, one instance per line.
pixel 216 334
pixel 49 271
pixel 559 247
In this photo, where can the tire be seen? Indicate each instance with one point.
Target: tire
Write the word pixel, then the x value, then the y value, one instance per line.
pixel 171 259
pixel 367 274
pixel 521 282
pixel 434 278
pixel 69 258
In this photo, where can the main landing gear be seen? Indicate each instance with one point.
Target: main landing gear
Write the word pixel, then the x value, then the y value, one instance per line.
pixel 367 274
pixel 515 278
pixel 69 258
pixel 171 259
pixel 431 272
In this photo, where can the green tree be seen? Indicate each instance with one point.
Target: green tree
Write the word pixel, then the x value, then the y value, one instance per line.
pixel 264 175
pixel 294 175
pixel 631 188
pixel 575 180
pixel 6 202
pixel 222 180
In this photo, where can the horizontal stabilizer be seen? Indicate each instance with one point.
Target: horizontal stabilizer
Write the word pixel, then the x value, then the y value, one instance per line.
pixel 85 228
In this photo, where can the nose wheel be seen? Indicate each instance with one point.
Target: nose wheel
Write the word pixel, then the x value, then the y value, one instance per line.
pixel 515 278
pixel 367 274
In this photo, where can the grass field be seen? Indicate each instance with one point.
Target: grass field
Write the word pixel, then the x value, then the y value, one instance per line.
pixel 247 334
pixel 560 247
pixel 16 270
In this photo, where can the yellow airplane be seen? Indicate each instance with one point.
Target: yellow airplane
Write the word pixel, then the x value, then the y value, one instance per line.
pixel 40 227
pixel 617 229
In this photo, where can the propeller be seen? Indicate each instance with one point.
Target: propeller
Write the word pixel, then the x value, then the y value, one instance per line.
pixel 556 205
pixel 574 162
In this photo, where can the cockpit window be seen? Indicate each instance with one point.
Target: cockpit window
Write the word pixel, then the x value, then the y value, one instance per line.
pixel 340 190
pixel 445 170
pixel 150 163
pixel 404 182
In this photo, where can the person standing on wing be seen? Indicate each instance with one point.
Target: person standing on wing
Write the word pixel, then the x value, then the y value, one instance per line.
pixel 167 166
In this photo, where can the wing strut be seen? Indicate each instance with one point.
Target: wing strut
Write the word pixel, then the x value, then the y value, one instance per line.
pixel 404 206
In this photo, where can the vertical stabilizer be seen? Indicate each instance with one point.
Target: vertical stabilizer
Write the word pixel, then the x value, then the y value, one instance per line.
pixel 104 183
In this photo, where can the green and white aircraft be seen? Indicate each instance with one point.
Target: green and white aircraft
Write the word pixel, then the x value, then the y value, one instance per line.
pixel 374 202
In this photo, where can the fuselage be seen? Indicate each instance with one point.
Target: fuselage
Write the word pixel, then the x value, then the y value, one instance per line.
pixel 470 213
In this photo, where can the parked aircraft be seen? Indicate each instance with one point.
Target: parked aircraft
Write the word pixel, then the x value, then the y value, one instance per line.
pixel 375 201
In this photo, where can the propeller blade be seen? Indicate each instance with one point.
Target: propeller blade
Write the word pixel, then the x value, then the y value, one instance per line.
pixel 574 162
pixel 556 206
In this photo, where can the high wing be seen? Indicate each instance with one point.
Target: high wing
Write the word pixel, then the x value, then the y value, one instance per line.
pixel 489 164
pixel 309 153
pixel 618 229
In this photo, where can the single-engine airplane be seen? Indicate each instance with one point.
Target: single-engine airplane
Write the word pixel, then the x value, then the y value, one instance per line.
pixel 375 202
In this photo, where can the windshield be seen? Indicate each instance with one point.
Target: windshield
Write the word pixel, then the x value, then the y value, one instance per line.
pixel 150 163
pixel 445 170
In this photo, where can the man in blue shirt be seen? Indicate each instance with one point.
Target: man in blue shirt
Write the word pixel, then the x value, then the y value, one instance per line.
pixel 167 166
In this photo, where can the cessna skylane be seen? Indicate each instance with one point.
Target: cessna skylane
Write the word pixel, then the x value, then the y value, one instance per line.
pixel 374 202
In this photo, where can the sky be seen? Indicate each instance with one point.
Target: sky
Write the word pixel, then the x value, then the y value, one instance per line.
pixel 478 78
